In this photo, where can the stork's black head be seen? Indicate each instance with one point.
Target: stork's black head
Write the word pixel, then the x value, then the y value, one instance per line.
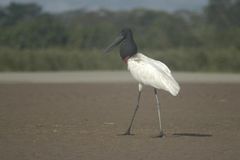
pixel 126 32
pixel 128 47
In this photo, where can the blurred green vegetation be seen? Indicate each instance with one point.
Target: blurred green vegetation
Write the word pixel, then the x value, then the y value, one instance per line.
pixel 33 40
pixel 56 59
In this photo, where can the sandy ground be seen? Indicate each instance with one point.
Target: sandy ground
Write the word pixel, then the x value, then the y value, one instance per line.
pixel 83 121
pixel 109 76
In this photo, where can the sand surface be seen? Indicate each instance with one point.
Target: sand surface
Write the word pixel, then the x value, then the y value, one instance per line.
pixel 109 76
pixel 83 121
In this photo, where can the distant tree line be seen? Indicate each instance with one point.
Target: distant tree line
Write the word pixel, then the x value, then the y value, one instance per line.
pixel 27 26
pixel 32 40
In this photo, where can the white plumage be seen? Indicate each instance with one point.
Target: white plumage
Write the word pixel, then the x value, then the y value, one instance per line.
pixel 153 73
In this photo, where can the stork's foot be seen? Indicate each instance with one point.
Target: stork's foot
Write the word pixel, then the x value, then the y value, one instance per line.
pixel 161 134
pixel 127 133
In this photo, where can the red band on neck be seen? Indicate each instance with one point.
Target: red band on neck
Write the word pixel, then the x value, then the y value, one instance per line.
pixel 126 59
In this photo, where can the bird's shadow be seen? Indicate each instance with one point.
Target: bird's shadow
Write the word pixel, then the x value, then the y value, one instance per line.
pixel 192 134
pixel 184 135
pixel 179 134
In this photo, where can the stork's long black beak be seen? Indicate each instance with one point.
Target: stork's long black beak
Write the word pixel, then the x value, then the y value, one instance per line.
pixel 116 42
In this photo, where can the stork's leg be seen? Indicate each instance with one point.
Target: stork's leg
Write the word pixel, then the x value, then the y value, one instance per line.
pixel 159 115
pixel 128 132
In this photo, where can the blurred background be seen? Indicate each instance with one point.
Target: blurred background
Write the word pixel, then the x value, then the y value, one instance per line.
pixel 187 35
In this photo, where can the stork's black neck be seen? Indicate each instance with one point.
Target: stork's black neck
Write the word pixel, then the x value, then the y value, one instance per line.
pixel 128 47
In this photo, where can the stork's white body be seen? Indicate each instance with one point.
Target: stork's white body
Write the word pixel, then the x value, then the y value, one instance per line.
pixel 151 72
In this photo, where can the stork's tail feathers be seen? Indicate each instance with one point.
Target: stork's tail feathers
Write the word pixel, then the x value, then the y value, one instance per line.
pixel 172 86
pixel 175 89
